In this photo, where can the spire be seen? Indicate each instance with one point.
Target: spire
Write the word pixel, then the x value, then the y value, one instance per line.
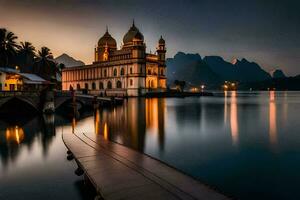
pixel 133 25
pixel 106 29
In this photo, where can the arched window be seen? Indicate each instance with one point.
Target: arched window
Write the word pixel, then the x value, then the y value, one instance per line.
pixel 101 86
pixel 86 86
pixel 71 88
pixel 105 73
pixel 131 82
pixel 122 71
pixel 130 70
pixel 119 84
pixel 109 86
pixel 161 72
pixel 78 86
pixel 115 72
pixel 93 86
pixel 149 71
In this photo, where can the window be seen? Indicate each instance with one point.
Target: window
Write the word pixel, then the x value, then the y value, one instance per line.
pixel 130 70
pixel 93 86
pixel 115 72
pixel 78 86
pixel 105 73
pixel 149 71
pixel 131 82
pixel 141 70
pixel 0 86
pixel 161 72
pixel 119 84
pixel 122 71
pixel 101 86
pixel 86 86
pixel 109 86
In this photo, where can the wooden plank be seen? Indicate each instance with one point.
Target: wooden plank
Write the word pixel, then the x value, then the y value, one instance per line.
pixel 118 172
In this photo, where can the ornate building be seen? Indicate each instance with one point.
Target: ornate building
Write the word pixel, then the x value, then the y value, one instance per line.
pixel 129 71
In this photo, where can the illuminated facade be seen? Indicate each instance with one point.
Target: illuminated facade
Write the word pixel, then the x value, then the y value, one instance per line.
pixel 13 80
pixel 129 71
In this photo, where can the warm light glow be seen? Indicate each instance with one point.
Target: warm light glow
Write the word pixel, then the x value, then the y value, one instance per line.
pixel 152 114
pixel 105 131
pixel 272 119
pixel 97 121
pixel 234 118
pixel 14 134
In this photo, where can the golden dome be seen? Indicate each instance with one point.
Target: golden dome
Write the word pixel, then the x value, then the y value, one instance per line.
pixel 133 33
pixel 108 40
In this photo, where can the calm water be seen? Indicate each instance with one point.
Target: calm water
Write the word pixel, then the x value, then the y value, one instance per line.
pixel 245 145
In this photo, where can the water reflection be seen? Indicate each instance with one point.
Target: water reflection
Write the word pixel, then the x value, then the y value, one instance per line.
pixel 15 135
pixel 272 118
pixel 234 118
pixel 129 124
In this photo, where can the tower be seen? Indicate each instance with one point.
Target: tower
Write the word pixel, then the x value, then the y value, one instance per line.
pixel 161 49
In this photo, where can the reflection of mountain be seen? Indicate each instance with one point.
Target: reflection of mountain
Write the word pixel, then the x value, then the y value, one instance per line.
pixel 130 123
pixel 13 137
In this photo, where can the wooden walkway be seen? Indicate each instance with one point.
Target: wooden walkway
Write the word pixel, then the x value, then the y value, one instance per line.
pixel 118 172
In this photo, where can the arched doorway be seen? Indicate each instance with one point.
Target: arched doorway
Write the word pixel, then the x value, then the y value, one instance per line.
pixel 93 86
pixel 78 86
pixel 119 84
pixel 109 85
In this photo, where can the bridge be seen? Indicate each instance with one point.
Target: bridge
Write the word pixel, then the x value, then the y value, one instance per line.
pixel 40 101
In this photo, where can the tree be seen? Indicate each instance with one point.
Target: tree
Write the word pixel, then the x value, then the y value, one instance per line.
pixel 26 56
pixel 44 65
pixel 8 48
pixel 179 85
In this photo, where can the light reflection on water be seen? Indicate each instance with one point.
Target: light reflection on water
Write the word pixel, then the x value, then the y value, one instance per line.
pixel 245 144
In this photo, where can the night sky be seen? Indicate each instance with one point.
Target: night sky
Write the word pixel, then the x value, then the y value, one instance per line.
pixel 267 32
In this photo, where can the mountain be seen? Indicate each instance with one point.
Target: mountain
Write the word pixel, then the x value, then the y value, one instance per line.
pixel 192 69
pixel 224 69
pixel 278 74
pixel 68 61
pixel 239 70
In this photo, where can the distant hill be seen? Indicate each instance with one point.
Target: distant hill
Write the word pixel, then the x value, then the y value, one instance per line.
pixel 239 70
pixel 278 74
pixel 192 69
pixel 68 61
pixel 287 83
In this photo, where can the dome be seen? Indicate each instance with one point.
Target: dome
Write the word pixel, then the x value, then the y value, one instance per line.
pixel 161 40
pixel 107 39
pixel 133 33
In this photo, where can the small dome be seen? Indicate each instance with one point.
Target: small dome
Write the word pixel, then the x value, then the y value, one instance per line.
pixel 107 39
pixel 133 33
pixel 161 41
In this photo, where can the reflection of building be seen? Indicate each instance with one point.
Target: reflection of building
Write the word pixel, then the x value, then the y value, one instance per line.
pixel 131 124
pixel 127 71
pixel 13 80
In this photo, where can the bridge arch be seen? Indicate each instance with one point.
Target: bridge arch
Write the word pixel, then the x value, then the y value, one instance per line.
pixel 19 105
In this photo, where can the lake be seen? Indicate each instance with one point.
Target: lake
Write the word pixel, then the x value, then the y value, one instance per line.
pixel 246 145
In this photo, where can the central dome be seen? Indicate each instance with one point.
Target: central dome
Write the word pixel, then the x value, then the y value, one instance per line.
pixel 133 33
pixel 107 39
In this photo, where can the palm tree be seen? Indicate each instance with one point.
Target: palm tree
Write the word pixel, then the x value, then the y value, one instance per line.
pixel 44 64
pixel 26 55
pixel 8 47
